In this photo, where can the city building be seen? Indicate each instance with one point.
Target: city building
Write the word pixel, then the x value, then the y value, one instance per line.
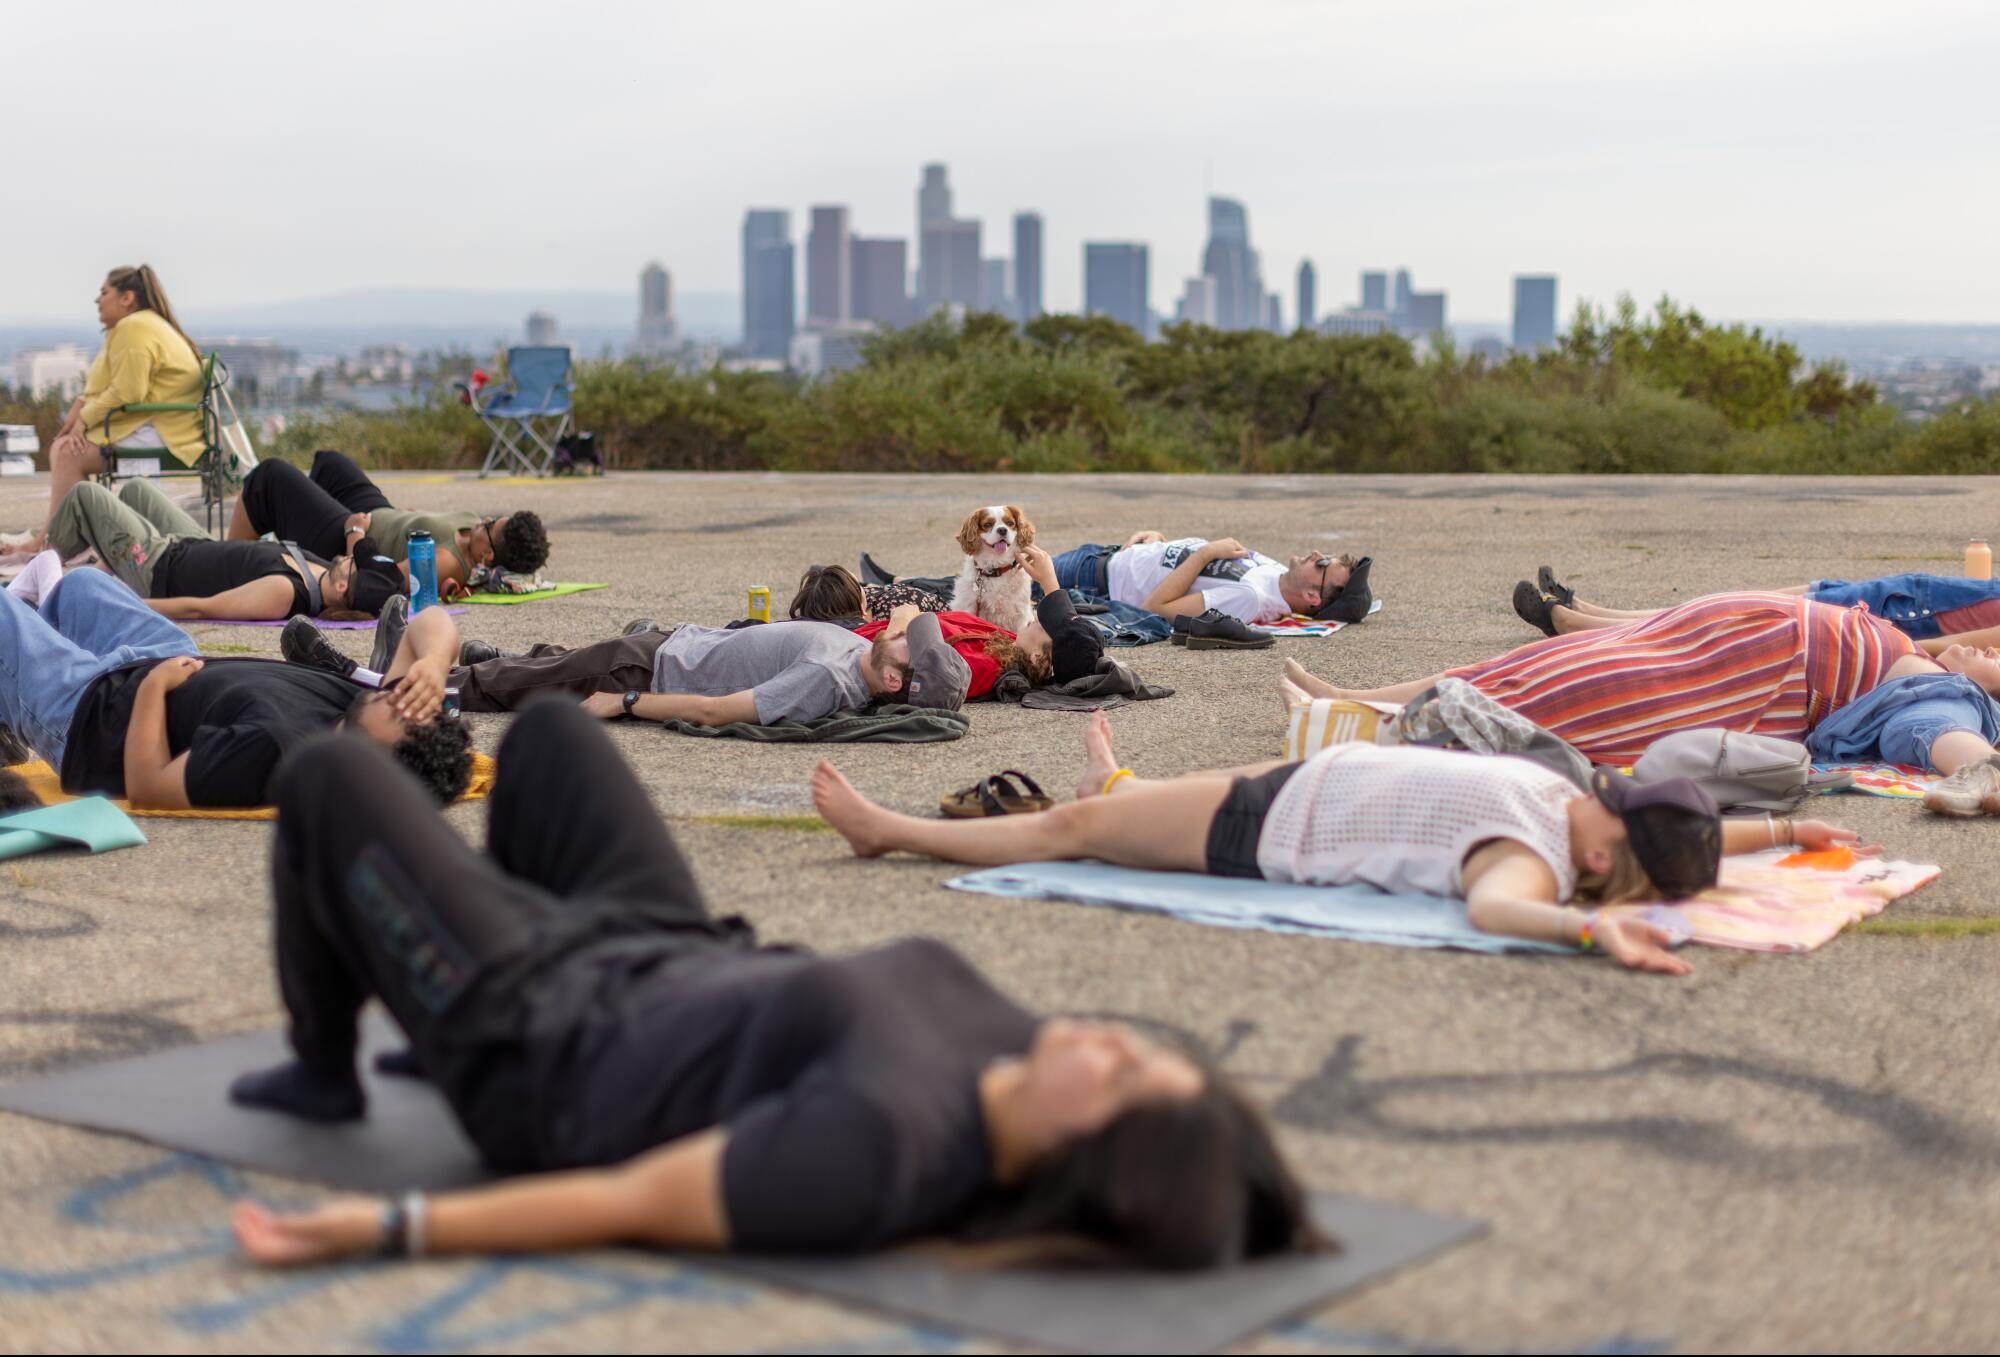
pixel 541 328
pixel 1027 265
pixel 1229 260
pixel 993 293
pixel 1308 295
pixel 1424 314
pixel 1115 283
pixel 770 297
pixel 1374 292
pixel 826 349
pixel 1488 349
pixel 881 275
pixel 933 206
pixel 829 268
pixel 949 273
pixel 1534 311
pixel 657 331
pixel 1400 305
pixel 265 372
pixel 1197 303
pixel 391 362
pixel 1355 322
pixel 51 369
pixel 1272 315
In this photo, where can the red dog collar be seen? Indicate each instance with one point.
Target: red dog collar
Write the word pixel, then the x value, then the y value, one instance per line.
pixel 996 573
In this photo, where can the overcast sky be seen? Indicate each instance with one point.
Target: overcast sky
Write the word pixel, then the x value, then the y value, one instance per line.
pixel 1835 160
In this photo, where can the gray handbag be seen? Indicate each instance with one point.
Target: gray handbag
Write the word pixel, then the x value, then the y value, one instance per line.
pixel 1753 774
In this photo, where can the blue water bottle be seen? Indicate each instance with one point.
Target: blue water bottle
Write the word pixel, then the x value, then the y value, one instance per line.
pixel 423 559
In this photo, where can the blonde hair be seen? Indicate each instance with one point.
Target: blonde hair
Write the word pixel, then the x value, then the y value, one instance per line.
pixel 1625 883
pixel 145 287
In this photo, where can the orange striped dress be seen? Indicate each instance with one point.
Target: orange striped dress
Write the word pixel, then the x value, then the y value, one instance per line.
pixel 1767 664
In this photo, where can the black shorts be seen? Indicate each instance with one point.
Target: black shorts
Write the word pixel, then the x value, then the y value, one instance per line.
pixel 1239 822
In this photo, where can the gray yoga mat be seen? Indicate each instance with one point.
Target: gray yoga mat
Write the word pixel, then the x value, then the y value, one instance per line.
pixel 176 1099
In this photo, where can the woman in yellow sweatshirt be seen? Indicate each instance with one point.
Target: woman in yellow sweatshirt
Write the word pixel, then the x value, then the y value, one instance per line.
pixel 146 358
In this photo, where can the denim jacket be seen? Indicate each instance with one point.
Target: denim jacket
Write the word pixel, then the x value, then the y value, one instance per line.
pixel 1910 603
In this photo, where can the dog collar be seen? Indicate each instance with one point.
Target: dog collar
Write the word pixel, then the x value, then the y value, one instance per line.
pixel 997 571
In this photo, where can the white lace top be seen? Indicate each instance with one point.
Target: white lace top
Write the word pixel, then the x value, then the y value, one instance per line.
pixel 1405 819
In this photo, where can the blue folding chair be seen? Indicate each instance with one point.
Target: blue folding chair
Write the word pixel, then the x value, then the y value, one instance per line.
pixel 529 413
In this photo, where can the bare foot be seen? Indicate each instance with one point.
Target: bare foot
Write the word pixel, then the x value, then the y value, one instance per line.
pixel 1303 679
pixel 1099 762
pixel 1291 694
pixel 857 819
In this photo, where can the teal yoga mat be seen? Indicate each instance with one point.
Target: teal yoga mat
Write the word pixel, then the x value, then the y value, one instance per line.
pixel 91 823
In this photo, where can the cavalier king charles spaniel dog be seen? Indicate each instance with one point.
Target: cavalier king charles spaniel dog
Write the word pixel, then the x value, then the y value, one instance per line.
pixel 992 583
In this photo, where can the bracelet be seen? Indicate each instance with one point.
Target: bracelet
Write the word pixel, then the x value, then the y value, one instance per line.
pixel 1585 932
pixel 1771 828
pixel 417 1235
pixel 1112 781
pixel 395 1229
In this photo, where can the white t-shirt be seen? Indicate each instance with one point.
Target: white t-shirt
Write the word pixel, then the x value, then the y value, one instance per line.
pixel 1246 588
pixel 1406 819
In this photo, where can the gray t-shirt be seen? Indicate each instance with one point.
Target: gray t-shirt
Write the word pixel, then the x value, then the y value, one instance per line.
pixel 799 671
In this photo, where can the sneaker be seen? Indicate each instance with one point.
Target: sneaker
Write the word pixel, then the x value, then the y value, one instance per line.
pixel 1218 631
pixel 303 643
pixel 1536 608
pixel 476 652
pixel 872 573
pixel 1971 791
pixel 639 624
pixel 389 628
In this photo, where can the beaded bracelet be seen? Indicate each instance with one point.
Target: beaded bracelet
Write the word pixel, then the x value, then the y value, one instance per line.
pixel 1585 932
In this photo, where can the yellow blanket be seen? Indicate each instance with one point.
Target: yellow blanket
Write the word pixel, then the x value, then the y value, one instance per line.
pixel 43 781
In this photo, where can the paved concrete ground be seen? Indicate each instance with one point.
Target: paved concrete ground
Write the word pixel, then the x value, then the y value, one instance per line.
pixel 1797 1152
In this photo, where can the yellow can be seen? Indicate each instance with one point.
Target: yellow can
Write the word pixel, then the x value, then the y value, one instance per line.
pixel 760 603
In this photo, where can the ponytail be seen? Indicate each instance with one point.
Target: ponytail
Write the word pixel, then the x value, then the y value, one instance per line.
pixel 144 284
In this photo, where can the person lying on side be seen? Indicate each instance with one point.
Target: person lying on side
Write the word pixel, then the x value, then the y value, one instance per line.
pixel 115 698
pixel 143 538
pixel 1516 840
pixel 665 1080
pixel 1840 680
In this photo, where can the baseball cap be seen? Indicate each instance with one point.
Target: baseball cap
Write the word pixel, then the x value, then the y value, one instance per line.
pixel 377 579
pixel 1350 602
pixel 939 675
pixel 1673 826
pixel 1075 646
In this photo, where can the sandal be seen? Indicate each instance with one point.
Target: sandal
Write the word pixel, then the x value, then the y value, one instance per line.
pixel 1536 608
pixel 1555 588
pixel 1008 793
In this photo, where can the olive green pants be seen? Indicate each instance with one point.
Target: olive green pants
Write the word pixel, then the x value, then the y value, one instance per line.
pixel 128 530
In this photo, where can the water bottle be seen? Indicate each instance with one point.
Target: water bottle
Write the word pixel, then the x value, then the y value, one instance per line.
pixel 423 559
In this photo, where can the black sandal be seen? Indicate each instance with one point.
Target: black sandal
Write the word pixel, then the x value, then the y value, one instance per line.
pixel 1008 793
pixel 1536 608
pixel 1555 588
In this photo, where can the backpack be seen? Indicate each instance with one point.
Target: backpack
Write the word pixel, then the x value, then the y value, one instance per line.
pixel 1758 774
pixel 577 455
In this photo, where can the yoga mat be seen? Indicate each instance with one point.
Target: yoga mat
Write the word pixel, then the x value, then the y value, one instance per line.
pixel 91 823
pixel 175 1099
pixel 45 783
pixel 367 624
pixel 559 591
pixel 1299 625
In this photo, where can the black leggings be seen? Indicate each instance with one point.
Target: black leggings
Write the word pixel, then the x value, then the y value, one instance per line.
pixel 279 499
pixel 335 473
pixel 376 895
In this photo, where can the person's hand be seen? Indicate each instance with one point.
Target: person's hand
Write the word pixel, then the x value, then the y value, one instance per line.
pixel 900 618
pixel 346 1228
pixel 419 694
pixel 171 674
pixel 1636 944
pixel 604 706
pixel 1041 568
pixel 1816 836
pixel 1225 549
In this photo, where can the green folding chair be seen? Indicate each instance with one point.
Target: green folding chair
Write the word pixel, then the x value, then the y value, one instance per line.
pixel 226 453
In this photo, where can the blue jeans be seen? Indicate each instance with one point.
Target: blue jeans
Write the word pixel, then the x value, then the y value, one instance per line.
pixel 90 625
pixel 1086 567
pixel 1911 602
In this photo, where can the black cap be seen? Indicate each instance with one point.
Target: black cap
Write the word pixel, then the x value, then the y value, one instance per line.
pixel 1350 602
pixel 1075 646
pixel 1673 826
pixel 377 579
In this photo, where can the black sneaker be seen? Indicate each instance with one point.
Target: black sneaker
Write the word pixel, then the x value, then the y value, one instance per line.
pixel 389 628
pixel 303 643
pixel 872 573
pixel 639 624
pixel 476 652
pixel 1215 630
pixel 1536 608
pixel 1555 588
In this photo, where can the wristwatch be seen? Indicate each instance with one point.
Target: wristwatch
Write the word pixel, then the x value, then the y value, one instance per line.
pixel 631 697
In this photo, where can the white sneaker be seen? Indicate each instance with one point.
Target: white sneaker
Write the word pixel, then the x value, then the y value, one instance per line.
pixel 1971 791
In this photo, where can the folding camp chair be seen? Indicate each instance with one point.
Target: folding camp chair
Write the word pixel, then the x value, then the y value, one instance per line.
pixel 226 453
pixel 529 413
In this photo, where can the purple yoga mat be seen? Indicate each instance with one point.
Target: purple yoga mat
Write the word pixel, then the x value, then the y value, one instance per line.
pixel 323 626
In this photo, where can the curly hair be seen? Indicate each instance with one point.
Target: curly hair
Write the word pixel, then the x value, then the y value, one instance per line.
pixel 524 547
pixel 15 794
pixel 1010 654
pixel 440 754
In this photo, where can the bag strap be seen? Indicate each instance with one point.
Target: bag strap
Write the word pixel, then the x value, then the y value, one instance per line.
pixel 315 603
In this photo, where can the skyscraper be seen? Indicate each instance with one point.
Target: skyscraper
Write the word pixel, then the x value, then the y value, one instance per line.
pixel 1308 296
pixel 951 274
pixel 770 300
pixel 1374 292
pixel 1534 311
pixel 1197 304
pixel 541 328
pixel 1027 266
pixel 1271 316
pixel 1424 315
pixel 1115 283
pixel 1401 308
pixel 1228 259
pixel 881 280
pixel 933 206
pixel 657 331
pixel 829 268
pixel 993 294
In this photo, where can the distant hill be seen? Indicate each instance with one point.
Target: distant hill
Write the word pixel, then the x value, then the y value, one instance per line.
pixel 428 309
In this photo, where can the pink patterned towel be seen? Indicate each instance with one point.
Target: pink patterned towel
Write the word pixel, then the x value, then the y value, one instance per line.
pixel 1762 907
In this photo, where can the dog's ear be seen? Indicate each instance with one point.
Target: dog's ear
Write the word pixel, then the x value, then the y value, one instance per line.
pixel 972 533
pixel 1024 531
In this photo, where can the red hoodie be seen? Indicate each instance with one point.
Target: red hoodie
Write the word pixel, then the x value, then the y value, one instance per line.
pixel 967 635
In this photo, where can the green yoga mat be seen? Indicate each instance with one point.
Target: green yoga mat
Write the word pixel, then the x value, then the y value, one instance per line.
pixel 560 591
pixel 91 823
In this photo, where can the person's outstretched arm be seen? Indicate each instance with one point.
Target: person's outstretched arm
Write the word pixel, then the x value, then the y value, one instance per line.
pixel 670 1197
pixel 263 600
pixel 1509 890
pixel 154 778
pixel 1815 836
pixel 1173 598
pixel 702 711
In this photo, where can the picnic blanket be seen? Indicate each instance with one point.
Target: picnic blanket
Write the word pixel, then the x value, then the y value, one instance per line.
pixel 1896 780
pixel 362 624
pixel 886 722
pixel 1298 624
pixel 532 596
pixel 44 782
pixel 91 823
pixel 1759 906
